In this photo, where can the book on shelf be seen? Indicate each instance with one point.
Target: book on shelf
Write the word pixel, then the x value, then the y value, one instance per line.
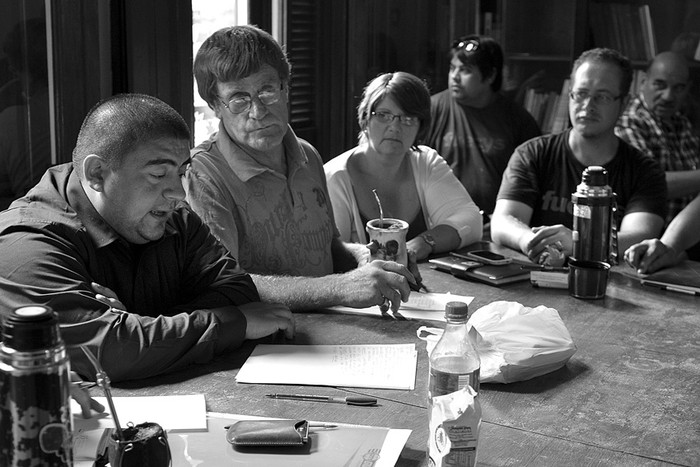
pixel 550 110
pixel 648 31
pixel 625 27
pixel 560 121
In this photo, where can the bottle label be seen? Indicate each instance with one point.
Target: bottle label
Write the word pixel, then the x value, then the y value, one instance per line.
pixel 442 383
pixel 453 429
pixel 582 211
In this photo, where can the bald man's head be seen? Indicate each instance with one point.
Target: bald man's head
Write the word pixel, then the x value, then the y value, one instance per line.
pixel 666 84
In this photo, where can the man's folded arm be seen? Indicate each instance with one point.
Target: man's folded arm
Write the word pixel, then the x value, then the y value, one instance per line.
pixel 131 346
pixel 46 271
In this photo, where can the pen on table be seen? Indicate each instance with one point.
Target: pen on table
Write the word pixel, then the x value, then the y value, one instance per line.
pixel 418 286
pixel 349 400
pixel 543 267
pixel 311 425
pixel 671 288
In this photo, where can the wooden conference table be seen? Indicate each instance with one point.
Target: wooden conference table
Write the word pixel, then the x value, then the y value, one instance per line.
pixel 629 396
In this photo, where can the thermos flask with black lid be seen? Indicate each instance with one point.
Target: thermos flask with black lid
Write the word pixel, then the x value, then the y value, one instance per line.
pixel 35 414
pixel 593 210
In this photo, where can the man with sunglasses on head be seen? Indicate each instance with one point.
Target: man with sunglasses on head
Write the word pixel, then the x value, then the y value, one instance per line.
pixel 473 126
pixel 262 190
pixel 534 209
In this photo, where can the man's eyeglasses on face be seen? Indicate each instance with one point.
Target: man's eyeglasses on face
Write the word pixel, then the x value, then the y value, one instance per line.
pixel 470 45
pixel 388 117
pixel 240 103
pixel 602 98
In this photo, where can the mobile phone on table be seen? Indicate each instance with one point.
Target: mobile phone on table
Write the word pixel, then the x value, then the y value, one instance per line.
pixel 488 257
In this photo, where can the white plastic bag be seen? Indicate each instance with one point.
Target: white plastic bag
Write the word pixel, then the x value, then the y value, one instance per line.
pixel 515 343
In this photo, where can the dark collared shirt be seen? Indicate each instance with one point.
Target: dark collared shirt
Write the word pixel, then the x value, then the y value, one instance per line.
pixel 53 245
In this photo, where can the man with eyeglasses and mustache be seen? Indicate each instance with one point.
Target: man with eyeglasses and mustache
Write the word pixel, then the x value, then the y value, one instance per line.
pixel 133 274
pixel 263 191
pixel 534 210
pixel 474 127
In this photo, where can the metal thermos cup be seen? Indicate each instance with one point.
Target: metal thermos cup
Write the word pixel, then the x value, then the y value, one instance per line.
pixel 35 415
pixel 593 208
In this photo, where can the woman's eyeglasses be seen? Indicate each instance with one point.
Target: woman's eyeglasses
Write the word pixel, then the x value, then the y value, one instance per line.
pixel 388 117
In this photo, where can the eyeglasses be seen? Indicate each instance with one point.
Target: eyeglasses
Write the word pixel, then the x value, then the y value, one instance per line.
pixel 470 45
pixel 598 99
pixel 240 103
pixel 388 117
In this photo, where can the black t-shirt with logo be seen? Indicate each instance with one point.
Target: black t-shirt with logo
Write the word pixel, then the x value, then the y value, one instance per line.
pixel 543 173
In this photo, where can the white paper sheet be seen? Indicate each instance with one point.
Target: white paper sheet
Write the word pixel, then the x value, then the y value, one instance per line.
pixel 389 366
pixel 420 306
pixel 215 450
pixel 191 413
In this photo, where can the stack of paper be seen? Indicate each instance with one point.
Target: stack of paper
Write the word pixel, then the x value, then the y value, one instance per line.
pixel 358 366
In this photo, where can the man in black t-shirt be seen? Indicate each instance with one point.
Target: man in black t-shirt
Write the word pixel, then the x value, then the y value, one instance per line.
pixel 533 208
pixel 473 125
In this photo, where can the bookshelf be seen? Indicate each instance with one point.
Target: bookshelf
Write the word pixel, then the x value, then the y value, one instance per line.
pixel 544 37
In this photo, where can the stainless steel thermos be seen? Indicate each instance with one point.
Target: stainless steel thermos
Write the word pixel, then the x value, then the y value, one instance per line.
pixel 593 210
pixel 35 416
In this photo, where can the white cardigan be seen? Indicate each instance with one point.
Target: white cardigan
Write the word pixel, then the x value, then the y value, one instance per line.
pixel 443 198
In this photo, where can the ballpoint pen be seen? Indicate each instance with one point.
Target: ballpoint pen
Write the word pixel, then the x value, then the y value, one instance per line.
pixel 349 400
pixel 543 267
pixel 328 426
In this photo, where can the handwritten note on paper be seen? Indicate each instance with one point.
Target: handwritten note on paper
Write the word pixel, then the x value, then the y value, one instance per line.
pixel 423 306
pixel 391 366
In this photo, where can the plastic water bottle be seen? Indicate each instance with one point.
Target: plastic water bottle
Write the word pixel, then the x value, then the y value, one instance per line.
pixel 593 208
pixel 454 409
pixel 454 362
pixel 35 416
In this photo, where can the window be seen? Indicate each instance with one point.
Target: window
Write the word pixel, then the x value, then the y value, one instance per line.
pixel 207 17
pixel 26 143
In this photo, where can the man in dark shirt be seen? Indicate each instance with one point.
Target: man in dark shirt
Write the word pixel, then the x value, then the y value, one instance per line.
pixel 473 126
pixel 132 272
pixel 534 208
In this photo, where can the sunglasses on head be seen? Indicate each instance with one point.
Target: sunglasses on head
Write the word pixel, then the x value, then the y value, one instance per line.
pixel 470 45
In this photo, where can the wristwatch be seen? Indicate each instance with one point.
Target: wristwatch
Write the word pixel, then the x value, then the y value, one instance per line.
pixel 427 238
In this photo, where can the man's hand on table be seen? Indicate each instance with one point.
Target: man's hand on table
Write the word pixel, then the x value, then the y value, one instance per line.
pixel 82 397
pixel 650 255
pixel 545 236
pixel 264 319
